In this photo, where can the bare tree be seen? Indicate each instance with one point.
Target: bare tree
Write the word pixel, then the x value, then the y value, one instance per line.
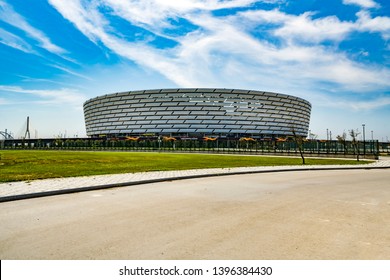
pixel 342 139
pixel 355 143
pixel 313 136
pixel 298 140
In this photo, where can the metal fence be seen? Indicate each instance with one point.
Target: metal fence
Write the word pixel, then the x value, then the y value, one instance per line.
pixel 368 149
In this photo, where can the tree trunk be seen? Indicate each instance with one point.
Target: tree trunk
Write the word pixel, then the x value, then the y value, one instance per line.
pixel 302 156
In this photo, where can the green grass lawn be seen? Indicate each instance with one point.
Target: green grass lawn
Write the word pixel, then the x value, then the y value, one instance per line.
pixel 30 165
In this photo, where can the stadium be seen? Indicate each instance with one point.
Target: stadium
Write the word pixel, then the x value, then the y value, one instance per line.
pixel 197 113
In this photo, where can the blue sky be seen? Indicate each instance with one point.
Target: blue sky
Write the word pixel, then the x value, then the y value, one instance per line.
pixel 55 54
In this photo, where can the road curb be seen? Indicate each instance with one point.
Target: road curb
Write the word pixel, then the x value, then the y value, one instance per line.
pixel 158 180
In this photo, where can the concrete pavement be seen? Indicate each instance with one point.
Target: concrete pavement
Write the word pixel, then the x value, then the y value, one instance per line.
pixel 300 215
pixel 39 188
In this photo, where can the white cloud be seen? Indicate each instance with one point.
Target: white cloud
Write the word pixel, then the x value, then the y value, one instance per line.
pixel 291 61
pixel 305 29
pixel 14 41
pixel 366 105
pixel 50 97
pixel 362 3
pixel 8 15
pixel 371 104
pixel 300 28
pixel 156 12
pixel 93 25
pixel 351 76
pixel 66 70
pixel 86 19
pixel 222 51
pixel 377 24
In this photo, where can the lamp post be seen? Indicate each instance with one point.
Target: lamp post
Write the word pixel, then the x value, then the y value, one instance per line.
pixel 364 139
pixel 327 140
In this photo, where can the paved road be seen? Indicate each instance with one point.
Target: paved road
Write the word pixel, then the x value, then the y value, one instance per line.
pixel 338 214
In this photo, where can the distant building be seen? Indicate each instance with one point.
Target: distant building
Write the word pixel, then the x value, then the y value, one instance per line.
pixel 197 112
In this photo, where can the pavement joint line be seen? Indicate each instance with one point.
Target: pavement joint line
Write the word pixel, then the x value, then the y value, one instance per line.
pixel 191 174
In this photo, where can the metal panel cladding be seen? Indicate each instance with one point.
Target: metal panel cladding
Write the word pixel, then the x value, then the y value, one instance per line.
pixel 197 111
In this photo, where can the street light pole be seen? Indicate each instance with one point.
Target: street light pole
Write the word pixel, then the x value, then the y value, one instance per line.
pixel 327 140
pixel 364 139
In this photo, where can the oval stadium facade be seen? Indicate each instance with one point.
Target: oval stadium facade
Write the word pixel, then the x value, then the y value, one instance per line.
pixel 197 112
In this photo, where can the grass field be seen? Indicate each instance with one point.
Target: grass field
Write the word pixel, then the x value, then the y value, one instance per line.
pixel 30 165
